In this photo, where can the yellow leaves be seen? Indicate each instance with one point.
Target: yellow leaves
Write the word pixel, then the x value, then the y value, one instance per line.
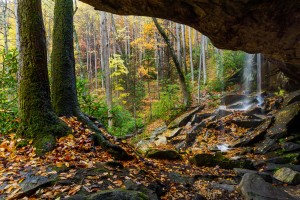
pixel 74 190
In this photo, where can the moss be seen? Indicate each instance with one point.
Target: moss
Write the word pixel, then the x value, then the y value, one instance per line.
pixel 210 160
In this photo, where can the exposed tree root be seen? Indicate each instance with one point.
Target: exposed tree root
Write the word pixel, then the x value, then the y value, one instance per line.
pixel 99 139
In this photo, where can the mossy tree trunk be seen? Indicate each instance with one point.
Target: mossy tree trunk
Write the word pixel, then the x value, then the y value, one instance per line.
pixel 38 120
pixel 64 95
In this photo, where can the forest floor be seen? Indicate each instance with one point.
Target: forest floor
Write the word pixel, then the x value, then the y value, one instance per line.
pixel 75 166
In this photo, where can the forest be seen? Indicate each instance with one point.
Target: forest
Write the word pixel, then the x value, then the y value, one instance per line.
pixel 96 105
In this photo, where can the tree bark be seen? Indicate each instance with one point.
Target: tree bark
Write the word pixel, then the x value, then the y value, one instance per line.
pixel 64 93
pixel 105 54
pixel 5 27
pixel 37 118
pixel 191 56
pixel 183 85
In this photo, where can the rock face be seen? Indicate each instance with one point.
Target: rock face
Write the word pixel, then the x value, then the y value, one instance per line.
pixel 113 195
pixel 253 187
pixel 283 119
pixel 247 25
pixel 287 175
pixel 184 118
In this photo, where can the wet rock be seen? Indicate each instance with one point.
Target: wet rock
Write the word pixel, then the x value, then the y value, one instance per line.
pixel 291 158
pixel 184 119
pixel 191 135
pixel 198 117
pixel 247 123
pixel 115 194
pixel 232 98
pixel 290 146
pixel 254 187
pixel 130 185
pixel 209 160
pixel 255 135
pixel 287 175
pixel 173 133
pixel 163 154
pixel 291 98
pixel 283 119
pixel 266 145
pixel 222 113
pixel 254 111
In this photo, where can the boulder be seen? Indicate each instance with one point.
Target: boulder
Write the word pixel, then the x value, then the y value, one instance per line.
pixel 115 194
pixel 283 119
pixel 184 118
pixel 255 135
pixel 210 160
pixel 160 140
pixel 171 134
pixel 221 112
pixel 254 187
pixel 273 167
pixel 291 158
pixel 254 111
pixel 198 117
pixel 266 145
pixel 158 131
pixel 241 172
pixel 230 99
pixel 247 123
pixel 163 154
pixel 287 175
pixel 291 98
pixel 192 134
pixel 130 185
pixel 290 146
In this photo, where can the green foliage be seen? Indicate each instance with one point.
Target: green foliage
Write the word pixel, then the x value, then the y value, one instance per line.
pixel 8 91
pixel 169 104
pixel 228 63
pixel 280 92
pixel 124 122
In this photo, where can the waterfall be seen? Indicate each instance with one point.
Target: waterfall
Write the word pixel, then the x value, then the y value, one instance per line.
pixel 248 73
pixel 258 72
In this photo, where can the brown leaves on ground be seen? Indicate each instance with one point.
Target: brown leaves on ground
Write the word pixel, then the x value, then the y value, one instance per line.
pixel 76 154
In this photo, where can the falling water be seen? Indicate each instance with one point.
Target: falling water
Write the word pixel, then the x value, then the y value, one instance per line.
pixel 248 73
pixel 259 97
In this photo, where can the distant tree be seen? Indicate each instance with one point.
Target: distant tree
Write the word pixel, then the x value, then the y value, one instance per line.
pixel 182 81
pixel 37 118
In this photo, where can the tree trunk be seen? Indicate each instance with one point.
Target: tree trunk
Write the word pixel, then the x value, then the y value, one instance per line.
pixel 178 43
pixel 183 48
pixel 204 45
pixel 5 27
pixel 105 54
pixel 17 24
pixel 191 57
pixel 64 93
pixel 183 86
pixel 37 118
